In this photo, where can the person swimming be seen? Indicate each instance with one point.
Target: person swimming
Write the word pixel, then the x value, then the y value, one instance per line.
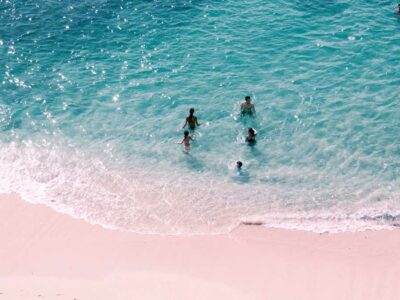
pixel 247 107
pixel 251 137
pixel 191 120
pixel 186 140
pixel 239 165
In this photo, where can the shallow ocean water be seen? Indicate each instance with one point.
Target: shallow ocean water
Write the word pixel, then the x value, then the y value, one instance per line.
pixel 93 95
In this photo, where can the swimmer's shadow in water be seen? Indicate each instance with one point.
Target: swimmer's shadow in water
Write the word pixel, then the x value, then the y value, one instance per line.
pixel 241 177
pixel 193 162
pixel 248 121
pixel 253 149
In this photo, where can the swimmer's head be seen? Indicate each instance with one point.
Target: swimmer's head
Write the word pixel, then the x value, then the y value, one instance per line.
pixel 247 99
pixel 239 164
pixel 251 131
pixel 186 133
pixel 191 111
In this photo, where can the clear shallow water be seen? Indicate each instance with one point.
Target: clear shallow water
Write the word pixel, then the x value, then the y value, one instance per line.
pixel 93 94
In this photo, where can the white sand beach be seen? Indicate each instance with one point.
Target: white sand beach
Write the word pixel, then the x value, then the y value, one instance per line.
pixel 49 255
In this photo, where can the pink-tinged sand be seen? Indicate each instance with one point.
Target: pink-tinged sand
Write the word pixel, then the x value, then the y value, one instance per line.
pixel 48 255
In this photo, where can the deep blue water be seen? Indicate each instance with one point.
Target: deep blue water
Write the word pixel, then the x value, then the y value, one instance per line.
pixel 93 95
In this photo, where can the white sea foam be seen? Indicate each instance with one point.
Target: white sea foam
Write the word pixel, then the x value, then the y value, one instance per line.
pixel 150 201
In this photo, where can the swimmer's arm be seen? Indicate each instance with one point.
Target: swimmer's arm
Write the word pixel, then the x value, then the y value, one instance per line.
pixel 253 109
pixel 184 124
pixel 180 142
pixel 197 123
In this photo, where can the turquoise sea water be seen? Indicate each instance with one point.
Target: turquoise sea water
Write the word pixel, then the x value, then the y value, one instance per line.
pixel 93 94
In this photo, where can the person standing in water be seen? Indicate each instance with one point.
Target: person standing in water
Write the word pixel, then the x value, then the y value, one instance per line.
pixel 186 140
pixel 251 137
pixel 247 107
pixel 191 120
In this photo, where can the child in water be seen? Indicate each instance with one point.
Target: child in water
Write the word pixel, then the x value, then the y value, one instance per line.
pixel 186 140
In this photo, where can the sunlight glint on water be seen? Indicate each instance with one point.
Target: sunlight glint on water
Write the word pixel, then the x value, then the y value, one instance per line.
pixel 93 95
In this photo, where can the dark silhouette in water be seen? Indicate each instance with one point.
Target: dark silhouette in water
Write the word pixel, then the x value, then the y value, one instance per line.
pixel 247 107
pixel 251 137
pixel 191 120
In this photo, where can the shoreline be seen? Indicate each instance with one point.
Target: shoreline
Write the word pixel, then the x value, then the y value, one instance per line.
pixel 51 255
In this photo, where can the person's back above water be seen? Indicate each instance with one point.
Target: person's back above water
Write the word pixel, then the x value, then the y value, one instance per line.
pixel 247 107
pixel 251 137
pixel 191 120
